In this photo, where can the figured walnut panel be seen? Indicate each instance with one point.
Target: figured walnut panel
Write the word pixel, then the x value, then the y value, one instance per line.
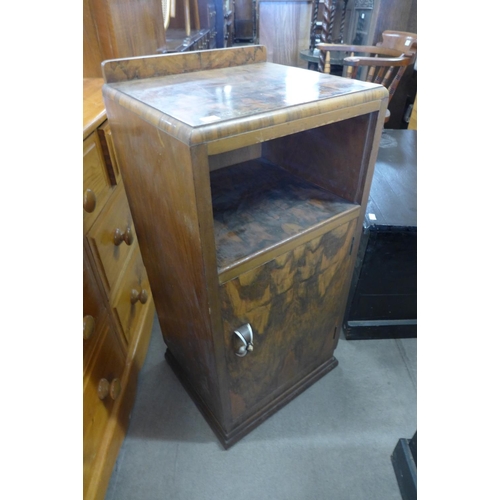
pixel 172 64
pixel 294 305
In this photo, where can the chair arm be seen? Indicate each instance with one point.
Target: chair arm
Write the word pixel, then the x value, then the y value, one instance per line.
pixel 377 61
pixel 364 49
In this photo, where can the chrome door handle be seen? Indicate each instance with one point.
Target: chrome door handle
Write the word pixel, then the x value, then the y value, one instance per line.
pixel 243 340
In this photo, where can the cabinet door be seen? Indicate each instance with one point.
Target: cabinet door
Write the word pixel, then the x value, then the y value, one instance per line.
pixel 294 305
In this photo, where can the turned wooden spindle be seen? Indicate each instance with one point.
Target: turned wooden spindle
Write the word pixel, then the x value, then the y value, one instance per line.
pixel 342 22
pixel 314 20
pixel 326 29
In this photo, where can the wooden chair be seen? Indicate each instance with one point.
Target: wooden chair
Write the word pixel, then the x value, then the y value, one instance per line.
pixel 377 64
pixel 399 40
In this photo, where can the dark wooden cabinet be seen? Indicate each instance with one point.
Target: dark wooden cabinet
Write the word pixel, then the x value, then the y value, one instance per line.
pixel 247 183
pixel 383 298
pixel 245 20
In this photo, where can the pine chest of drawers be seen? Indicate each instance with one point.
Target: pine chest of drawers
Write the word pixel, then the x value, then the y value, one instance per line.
pixel 118 307
pixel 247 183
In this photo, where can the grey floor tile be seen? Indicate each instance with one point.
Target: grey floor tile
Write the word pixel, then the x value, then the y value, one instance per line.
pixel 332 442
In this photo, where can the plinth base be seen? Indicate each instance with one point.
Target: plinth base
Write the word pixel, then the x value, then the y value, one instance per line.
pixel 227 439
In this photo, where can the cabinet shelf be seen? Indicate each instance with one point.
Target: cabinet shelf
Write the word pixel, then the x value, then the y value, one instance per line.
pixel 260 211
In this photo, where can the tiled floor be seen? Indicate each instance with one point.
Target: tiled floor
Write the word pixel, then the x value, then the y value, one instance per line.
pixel 334 441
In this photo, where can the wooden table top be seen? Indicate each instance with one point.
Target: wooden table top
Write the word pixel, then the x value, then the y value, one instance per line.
pixel 94 112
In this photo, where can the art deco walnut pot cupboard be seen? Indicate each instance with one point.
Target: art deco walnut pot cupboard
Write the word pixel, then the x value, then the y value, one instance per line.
pixel 247 183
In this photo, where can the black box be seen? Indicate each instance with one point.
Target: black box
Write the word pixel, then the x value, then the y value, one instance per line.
pixel 404 462
pixel 382 301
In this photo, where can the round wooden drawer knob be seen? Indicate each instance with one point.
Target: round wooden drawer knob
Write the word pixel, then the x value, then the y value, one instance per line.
pixel 141 296
pixel 89 200
pixel 88 326
pixel 105 389
pixel 125 236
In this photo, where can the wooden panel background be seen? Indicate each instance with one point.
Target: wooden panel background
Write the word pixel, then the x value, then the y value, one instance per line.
pixel 120 28
pixel 284 28
pixel 400 15
pixel 92 54
pixel 243 19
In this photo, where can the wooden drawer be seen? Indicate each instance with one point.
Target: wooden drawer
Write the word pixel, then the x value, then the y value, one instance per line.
pixel 292 304
pixel 95 317
pixel 133 297
pixel 96 182
pixel 113 239
pixel 107 364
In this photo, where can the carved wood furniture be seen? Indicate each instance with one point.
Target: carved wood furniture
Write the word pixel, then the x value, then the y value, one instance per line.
pixel 375 64
pixel 208 20
pixel 177 41
pixel 247 183
pixel 215 15
pixel 245 20
pixel 403 100
pixel 355 22
pixel 118 308
pixel 399 40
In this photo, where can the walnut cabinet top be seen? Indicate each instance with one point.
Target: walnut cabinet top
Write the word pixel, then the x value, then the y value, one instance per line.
pixel 202 98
